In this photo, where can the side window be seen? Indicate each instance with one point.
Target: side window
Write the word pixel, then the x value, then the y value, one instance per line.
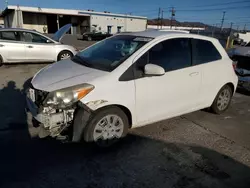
pixel 172 54
pixel 10 35
pixel 33 37
pixel 204 51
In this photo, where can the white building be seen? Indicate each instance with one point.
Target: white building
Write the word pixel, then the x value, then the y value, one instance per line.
pixel 48 20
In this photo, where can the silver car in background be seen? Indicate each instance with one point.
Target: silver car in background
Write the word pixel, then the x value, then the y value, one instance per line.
pixel 21 45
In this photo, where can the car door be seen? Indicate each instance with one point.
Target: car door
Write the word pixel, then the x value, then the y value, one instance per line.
pixel 38 48
pixel 11 46
pixel 208 58
pixel 176 92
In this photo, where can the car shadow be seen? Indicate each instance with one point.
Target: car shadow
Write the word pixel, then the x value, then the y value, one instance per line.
pixel 243 91
pixel 134 162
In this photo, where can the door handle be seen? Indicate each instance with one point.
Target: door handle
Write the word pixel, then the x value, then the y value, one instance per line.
pixel 1 45
pixel 30 46
pixel 194 74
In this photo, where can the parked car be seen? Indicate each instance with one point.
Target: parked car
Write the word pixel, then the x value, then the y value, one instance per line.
pixel 95 36
pixel 241 57
pixel 131 80
pixel 242 69
pixel 21 45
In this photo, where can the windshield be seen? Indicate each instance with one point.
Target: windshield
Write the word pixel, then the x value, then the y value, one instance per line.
pixel 110 53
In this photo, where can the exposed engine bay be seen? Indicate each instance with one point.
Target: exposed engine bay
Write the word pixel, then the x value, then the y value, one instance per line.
pixel 53 120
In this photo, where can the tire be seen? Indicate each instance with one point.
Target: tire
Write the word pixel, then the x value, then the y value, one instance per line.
pixel 222 100
pixel 89 38
pixel 64 55
pixel 110 132
pixel 1 61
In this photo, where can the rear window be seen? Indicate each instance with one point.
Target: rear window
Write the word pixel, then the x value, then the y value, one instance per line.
pixel 204 51
pixel 10 35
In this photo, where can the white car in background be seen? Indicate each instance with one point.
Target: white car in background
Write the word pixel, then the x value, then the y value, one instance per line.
pixel 131 80
pixel 21 45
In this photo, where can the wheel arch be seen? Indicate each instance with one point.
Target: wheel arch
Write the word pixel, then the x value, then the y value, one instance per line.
pixel 65 50
pixel 122 108
pixel 231 85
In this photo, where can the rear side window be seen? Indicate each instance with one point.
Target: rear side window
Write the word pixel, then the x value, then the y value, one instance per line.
pixel 172 54
pixel 10 35
pixel 204 51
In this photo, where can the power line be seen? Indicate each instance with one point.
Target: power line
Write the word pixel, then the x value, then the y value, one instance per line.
pixel 218 4
pixel 214 9
pixel 141 11
pixel 195 18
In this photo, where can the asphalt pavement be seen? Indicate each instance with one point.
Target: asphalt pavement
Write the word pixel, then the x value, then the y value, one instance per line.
pixel 199 149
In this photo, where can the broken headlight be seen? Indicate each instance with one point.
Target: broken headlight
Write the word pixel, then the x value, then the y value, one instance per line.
pixel 66 97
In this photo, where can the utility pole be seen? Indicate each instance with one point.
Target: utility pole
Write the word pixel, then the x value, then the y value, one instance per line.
pixel 6 3
pixel 161 18
pixel 213 29
pixel 237 29
pixel 222 20
pixel 231 26
pixel 158 21
pixel 245 28
pixel 172 11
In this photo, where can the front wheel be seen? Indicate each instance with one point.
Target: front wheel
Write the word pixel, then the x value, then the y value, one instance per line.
pixel 64 55
pixel 222 100
pixel 89 38
pixel 1 61
pixel 107 127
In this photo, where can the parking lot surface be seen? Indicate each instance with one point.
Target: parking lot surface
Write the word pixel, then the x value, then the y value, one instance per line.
pixel 195 150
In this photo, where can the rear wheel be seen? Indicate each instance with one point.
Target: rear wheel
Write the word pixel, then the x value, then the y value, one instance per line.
pixel 107 127
pixel 64 55
pixel 222 100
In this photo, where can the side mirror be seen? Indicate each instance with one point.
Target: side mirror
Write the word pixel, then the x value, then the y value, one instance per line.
pixel 153 70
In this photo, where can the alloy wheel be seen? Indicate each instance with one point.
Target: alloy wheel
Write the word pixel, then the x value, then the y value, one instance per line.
pixel 223 99
pixel 65 56
pixel 109 128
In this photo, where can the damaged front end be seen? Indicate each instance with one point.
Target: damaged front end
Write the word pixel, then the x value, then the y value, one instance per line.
pixel 242 64
pixel 55 110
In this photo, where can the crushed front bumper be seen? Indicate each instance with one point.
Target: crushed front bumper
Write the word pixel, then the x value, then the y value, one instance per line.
pixel 54 122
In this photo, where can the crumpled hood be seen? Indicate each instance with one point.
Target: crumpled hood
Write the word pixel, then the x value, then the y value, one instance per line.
pixel 64 74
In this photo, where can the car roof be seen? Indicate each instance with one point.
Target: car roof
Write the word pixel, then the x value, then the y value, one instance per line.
pixel 162 33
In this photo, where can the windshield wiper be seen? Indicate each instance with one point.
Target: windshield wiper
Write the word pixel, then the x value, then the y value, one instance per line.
pixel 81 60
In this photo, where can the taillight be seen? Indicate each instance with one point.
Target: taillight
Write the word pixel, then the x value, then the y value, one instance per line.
pixel 234 65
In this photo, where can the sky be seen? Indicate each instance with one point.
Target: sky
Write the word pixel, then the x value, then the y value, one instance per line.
pixel 209 12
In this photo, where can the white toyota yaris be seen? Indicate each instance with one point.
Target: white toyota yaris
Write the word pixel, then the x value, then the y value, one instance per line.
pixel 131 80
